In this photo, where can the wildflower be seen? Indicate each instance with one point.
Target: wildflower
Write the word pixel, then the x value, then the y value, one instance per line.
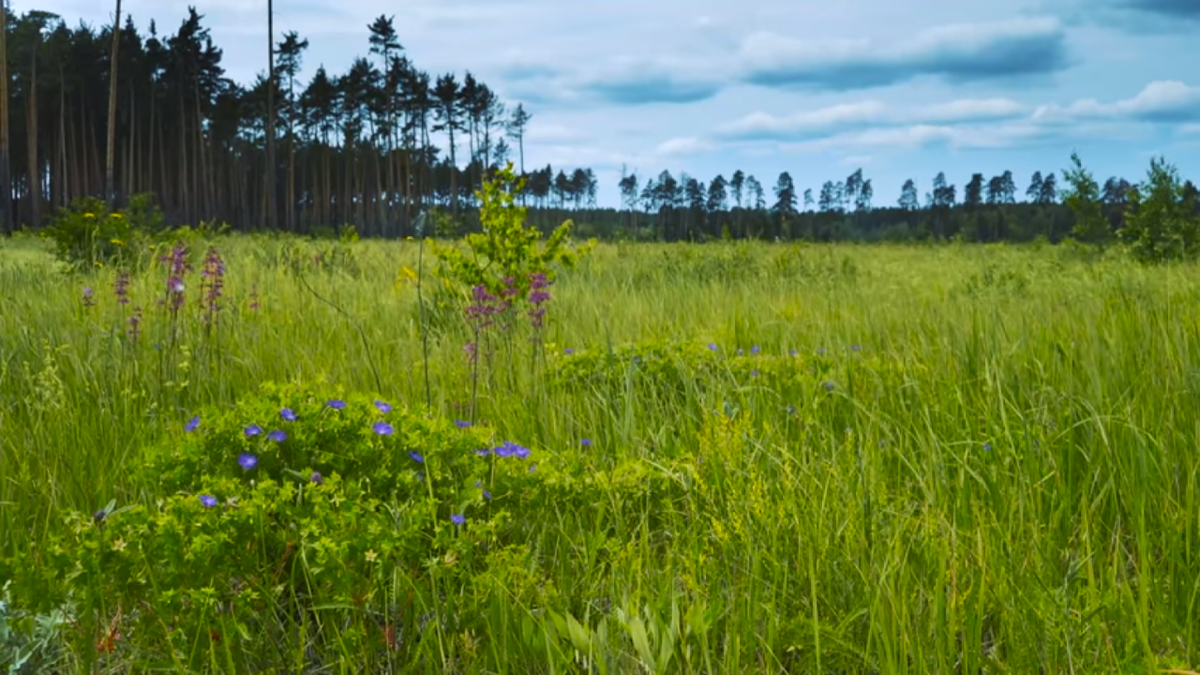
pixel 470 351
pixel 457 518
pixel 820 351
pixel 416 457
pixel 510 449
pixel 383 428
pixel 287 415
pixel 486 494
pixel 712 347
pixel 987 447
pixel 461 424
pixel 99 515
pixel 121 289
pixel 208 501
pixel 383 407
pixel 739 351
pixel 532 468
pixel 587 442
pixel 483 452
pixel 371 555
pixel 192 424
pixel 247 460
pixel 754 349
pixel 252 430
pixel 856 347
pixel 254 304
pixel 754 373
pixel 87 297
pixel 829 386
pixel 568 351
pixel 316 478
pixel 277 436
pixel 791 352
pixel 135 324
pixel 212 284
pixel 336 403
pixel 486 306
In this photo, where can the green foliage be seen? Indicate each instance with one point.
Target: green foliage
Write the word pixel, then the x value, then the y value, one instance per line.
pixel 1082 195
pixel 507 248
pixel 1161 224
pixel 87 234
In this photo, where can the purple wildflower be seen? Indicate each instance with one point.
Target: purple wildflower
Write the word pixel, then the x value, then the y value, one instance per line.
pixel 416 457
pixel 383 407
pixel 470 351
pixel 192 424
pixel 254 304
pixel 252 430
pixel 532 468
pixel 791 352
pixel 316 478
pixel 121 288
pixel 336 403
pixel 247 461
pixel 829 386
pixel 88 301
pixel 135 324
pixel 457 518
pixel 820 351
pixel 383 428
pixel 461 424
pixel 587 442
pixel 754 349
pixel 987 447
pixel 856 348
pixel 277 436
pixel 485 306
pixel 212 284
pixel 287 415
pixel 712 347
pixel 483 452
pixel 208 501
pixel 754 373
pixel 568 351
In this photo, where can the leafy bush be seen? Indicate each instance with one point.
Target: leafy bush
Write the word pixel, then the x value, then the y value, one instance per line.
pixel 251 536
pixel 1161 223
pixel 87 234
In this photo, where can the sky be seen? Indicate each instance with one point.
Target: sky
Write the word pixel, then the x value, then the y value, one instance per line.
pixel 818 89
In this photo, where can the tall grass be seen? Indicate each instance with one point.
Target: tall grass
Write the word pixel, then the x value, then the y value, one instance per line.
pixel 1002 475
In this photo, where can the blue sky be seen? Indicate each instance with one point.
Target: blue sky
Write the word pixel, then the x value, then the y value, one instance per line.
pixel 818 89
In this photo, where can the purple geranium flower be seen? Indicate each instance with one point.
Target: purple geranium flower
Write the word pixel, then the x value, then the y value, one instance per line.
pixel 252 430
pixel 461 424
pixel 247 461
pixel 192 424
pixel 208 501
pixel 457 518
pixel 383 428
pixel 586 442
pixel 483 452
pixel 277 436
pixel 416 457
pixel 383 407
pixel 336 403
pixel 712 347
pixel 287 415
pixel 754 349
pixel 316 478
pixel 510 449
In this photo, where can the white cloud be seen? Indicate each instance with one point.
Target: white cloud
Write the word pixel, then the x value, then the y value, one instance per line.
pixel 686 145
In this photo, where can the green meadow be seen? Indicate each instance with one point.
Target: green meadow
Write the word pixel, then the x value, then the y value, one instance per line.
pixel 722 458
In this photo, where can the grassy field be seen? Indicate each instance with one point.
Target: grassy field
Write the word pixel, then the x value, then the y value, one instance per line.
pixel 749 458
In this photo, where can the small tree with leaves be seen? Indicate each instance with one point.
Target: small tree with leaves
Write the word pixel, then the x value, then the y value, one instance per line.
pixel 1161 223
pixel 1082 196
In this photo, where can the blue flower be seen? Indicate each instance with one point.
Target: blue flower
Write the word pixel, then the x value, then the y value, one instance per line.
pixel 586 442
pixel 457 518
pixel 712 347
pixel 532 468
pixel 247 461
pixel 416 457
pixel 287 415
pixel 483 452
pixel 754 349
pixel 252 430
pixel 568 351
pixel 461 424
pixel 336 403
pixel 829 386
pixel 277 436
pixel 856 347
pixel 754 373
pixel 383 407
pixel 510 449
pixel 316 478
pixel 192 424
pixel 383 428
pixel 208 501
pixel 987 447
pixel 791 352
pixel 820 351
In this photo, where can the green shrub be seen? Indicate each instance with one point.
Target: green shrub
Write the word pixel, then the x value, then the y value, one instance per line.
pixel 87 234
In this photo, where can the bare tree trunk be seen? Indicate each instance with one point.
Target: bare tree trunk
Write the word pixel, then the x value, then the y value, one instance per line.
pixel 270 172
pixel 31 142
pixel 6 214
pixel 110 188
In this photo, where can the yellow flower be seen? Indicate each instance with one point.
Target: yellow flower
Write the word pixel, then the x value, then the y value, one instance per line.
pixel 371 556
pixel 116 215
pixel 89 215
pixel 119 545
pixel 116 242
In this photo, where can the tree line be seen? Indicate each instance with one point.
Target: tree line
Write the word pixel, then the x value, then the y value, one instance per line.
pixel 117 113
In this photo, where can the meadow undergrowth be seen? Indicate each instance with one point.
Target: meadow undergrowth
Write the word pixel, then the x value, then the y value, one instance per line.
pixel 726 458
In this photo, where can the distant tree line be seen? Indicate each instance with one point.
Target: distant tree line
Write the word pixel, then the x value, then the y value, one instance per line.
pixel 381 143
